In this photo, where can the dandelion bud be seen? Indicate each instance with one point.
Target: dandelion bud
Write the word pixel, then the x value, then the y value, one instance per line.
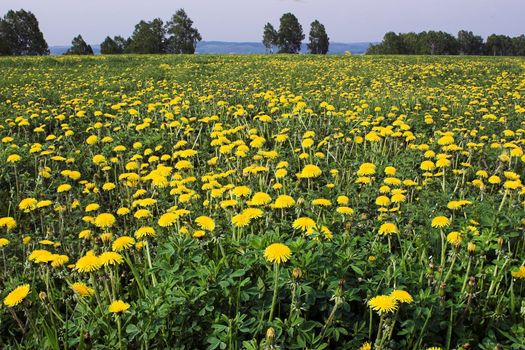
pixel 441 291
pixel 300 201
pixel 500 242
pixel 471 284
pixel 42 296
pixel 348 226
pixel 471 247
pixel 270 336
pixel 297 273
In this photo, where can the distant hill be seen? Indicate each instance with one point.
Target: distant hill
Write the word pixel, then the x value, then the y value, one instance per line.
pixel 225 47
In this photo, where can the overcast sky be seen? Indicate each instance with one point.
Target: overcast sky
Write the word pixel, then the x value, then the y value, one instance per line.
pixel 243 20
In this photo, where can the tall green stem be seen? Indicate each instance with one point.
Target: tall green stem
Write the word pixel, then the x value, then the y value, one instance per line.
pixel 275 288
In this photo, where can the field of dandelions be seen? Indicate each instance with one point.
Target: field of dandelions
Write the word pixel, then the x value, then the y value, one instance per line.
pixel 262 202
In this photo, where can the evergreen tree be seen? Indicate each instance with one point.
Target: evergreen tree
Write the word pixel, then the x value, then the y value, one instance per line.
pixel 290 34
pixel 114 46
pixel 79 47
pixel 270 37
pixel 184 37
pixel 319 40
pixel 20 35
pixel 148 38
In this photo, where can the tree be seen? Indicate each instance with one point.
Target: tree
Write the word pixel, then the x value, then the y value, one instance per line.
pixel 438 43
pixel 469 44
pixel 518 44
pixel 148 38
pixel 184 37
pixel 319 40
pixel 114 46
pixel 392 44
pixel 79 47
pixel 270 37
pixel 20 35
pixel 290 34
pixel 499 45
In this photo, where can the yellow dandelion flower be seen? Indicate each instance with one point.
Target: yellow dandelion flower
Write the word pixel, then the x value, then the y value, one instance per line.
pixel 105 220
pixel 402 296
pixel 519 273
pixel 28 204
pixel 277 253
pixel 88 263
pixel 345 210
pixel 118 306
pixel 303 224
pixel 63 188
pixel 383 304
pixel 388 228
pixel 82 289
pixel 240 220
pixel 17 295
pixel 284 201
pixel 454 238
pixel 310 171
pixel 205 223
pixel 167 219
pixel 122 243
pixel 440 221
pixel 111 258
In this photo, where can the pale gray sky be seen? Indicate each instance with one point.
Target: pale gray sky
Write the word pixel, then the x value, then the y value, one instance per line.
pixel 243 20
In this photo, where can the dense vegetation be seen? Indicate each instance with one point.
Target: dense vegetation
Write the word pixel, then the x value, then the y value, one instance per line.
pixel 441 43
pixel 250 202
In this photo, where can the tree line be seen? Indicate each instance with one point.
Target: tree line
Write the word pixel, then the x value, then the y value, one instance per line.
pixel 442 43
pixel 20 35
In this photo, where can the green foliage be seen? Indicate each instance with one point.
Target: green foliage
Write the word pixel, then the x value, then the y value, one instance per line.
pixel 319 41
pixel 20 35
pixel 114 46
pixel 441 43
pixel 470 44
pixel 270 37
pixel 290 34
pixel 79 47
pixel 184 37
pixel 148 38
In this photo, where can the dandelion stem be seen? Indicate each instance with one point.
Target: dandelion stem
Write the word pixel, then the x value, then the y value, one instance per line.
pixel 275 287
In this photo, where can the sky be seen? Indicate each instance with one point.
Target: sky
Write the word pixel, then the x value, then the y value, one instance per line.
pixel 243 20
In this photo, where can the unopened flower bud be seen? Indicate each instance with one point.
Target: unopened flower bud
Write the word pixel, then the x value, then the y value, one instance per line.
pixel 270 336
pixel 500 242
pixel 441 291
pixel 297 273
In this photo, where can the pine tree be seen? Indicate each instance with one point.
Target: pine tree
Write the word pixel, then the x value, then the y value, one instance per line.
pixel 148 38
pixel 184 37
pixel 79 47
pixel 319 40
pixel 20 35
pixel 114 46
pixel 290 34
pixel 270 37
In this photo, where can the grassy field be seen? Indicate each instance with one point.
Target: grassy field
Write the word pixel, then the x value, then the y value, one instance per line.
pixel 262 202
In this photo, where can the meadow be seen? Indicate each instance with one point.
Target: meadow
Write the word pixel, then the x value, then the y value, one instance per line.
pixel 262 202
